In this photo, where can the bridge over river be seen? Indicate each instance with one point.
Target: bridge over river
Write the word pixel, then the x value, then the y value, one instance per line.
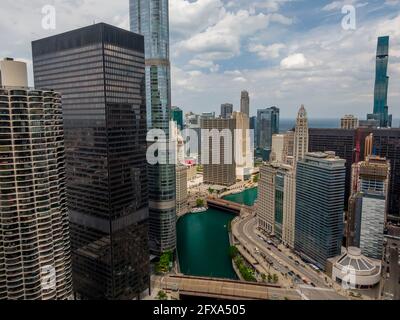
pixel 224 289
pixel 229 206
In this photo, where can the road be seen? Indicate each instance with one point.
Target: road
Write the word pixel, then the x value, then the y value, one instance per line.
pixel 246 229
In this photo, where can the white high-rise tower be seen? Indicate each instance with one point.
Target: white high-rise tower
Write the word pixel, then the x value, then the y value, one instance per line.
pixel 35 255
pixel 301 136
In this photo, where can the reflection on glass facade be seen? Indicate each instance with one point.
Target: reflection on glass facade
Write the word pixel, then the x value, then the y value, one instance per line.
pixel 319 207
pixel 381 112
pixel 151 19
pixel 101 73
pixel 344 143
pixel 267 126
pixel 177 116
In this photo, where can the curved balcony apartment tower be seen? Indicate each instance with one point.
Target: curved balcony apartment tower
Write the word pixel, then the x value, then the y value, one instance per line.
pixel 35 261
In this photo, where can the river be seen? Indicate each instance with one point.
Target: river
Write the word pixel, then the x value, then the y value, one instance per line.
pixel 203 240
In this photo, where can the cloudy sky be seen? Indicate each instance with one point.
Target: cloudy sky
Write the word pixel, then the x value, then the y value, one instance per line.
pixel 284 52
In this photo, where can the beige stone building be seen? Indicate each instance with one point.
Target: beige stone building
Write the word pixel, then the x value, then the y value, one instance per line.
pixel 289 206
pixel 276 202
pixel 191 171
pixel 288 148
pixel 301 136
pixel 181 189
pixel 277 150
pixel 266 199
pixel 13 73
pixel 243 149
pixel 276 210
pixel 349 122
pixel 218 159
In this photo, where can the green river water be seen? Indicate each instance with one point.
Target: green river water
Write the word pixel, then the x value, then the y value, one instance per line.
pixel 203 241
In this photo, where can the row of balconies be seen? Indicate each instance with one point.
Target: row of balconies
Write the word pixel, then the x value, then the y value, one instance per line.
pixel 29 103
pixel 52 169
pixel 31 93
pixel 10 208
pixel 50 147
pixel 31 125
pixel 52 192
pixel 36 177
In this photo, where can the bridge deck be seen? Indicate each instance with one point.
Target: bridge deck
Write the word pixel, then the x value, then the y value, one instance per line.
pixel 227 205
pixel 228 289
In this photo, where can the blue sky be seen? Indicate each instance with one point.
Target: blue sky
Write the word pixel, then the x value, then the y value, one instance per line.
pixel 284 52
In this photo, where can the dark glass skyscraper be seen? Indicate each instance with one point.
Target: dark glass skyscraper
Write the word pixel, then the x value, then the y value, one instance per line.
pixel 101 73
pixel 347 143
pixel 267 126
pixel 381 109
pixel 151 19
pixel 226 110
pixel 342 142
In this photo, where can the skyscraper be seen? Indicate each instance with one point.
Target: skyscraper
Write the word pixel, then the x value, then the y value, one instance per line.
pixel 349 122
pixel 381 109
pixel 276 202
pixel 301 136
pixel 368 205
pixel 192 122
pixel 267 126
pixel 278 142
pixel 320 183
pixel 35 251
pixel 151 19
pixel 349 144
pixel 218 156
pixel 253 126
pixel 177 116
pixel 265 203
pixel 226 110
pixel 13 73
pixel 342 142
pixel 244 147
pixel 288 148
pixel 181 189
pixel 102 78
pixel 245 103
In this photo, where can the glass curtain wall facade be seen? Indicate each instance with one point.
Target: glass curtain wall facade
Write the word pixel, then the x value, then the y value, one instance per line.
pixel 100 71
pixel 267 126
pixel 348 142
pixel 226 110
pixel 151 19
pixel 177 116
pixel 381 109
pixel 319 207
